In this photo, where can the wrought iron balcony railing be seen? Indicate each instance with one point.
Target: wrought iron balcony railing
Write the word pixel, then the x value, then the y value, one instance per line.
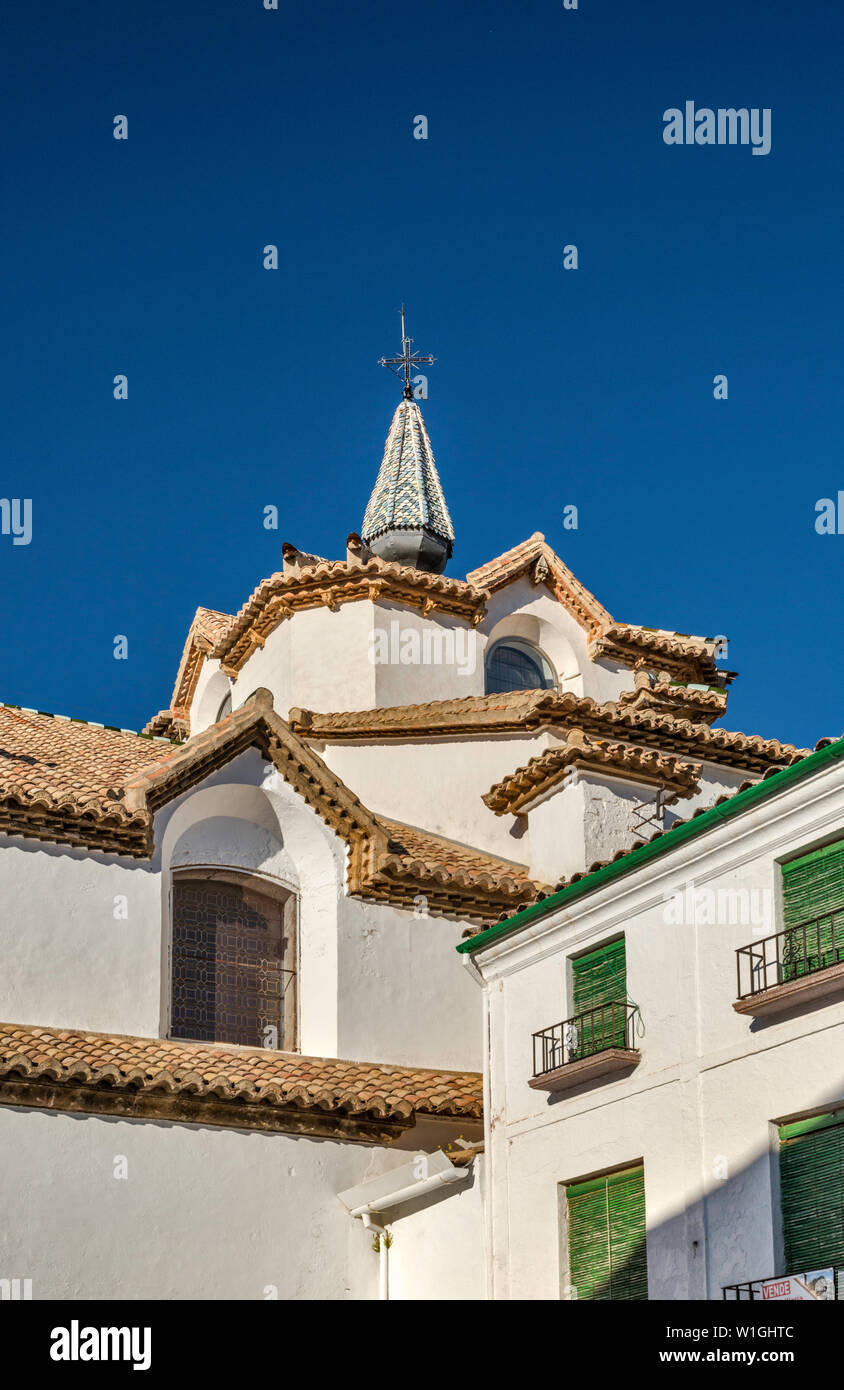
pixel 596 1030
pixel 806 949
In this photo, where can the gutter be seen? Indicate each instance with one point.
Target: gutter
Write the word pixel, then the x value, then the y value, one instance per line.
pixel 425 1173
pixel 667 841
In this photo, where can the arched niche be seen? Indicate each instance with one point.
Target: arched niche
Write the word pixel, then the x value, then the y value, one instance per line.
pixel 548 641
pixel 209 699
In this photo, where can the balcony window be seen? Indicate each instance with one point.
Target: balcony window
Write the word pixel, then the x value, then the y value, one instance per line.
pixel 805 961
pixel 599 1038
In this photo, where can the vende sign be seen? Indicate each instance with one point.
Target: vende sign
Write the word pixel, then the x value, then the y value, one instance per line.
pixel 819 1284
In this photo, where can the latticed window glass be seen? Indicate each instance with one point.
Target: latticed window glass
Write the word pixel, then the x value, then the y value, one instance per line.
pixel 514 665
pixel 234 971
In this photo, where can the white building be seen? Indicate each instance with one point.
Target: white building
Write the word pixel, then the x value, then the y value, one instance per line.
pixel 229 976
pixel 666 1068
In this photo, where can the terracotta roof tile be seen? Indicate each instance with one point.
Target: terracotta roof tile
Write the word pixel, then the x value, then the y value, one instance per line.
pixel 420 850
pixel 547 769
pixel 535 709
pixel 236 1075
pixel 54 767
pixel 73 783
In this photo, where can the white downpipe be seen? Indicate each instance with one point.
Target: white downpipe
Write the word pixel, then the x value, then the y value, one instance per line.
pixel 404 1184
pixel 414 1189
pixel 383 1256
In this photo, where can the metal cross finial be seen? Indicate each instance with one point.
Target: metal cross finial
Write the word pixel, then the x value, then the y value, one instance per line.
pixel 402 365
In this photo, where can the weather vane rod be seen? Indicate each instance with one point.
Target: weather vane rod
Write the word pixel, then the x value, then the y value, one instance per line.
pixel 402 365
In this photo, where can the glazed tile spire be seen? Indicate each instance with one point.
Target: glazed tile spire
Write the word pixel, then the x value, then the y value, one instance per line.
pixel 407 518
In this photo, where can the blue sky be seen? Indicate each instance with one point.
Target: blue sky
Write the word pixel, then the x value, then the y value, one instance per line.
pixel 249 387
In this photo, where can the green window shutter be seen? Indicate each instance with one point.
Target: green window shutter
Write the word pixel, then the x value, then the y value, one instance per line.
pixel 600 978
pixel 589 1249
pixel 812 1193
pixel 813 901
pixel 607 1237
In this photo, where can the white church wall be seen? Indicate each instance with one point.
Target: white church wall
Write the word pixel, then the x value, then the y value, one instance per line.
pixel 212 687
pixel 556 833
pixel 316 659
pixel 416 659
pixel 79 939
pixel 401 998
pixel 438 785
pixel 701 1107
pixel 715 781
pixel 205 1213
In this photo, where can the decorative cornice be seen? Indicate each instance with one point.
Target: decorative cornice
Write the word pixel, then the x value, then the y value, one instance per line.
pixel 528 711
pixel 632 762
pixel 544 566
pixel 678 654
pixel 208 628
pixel 332 583
pixel 701 705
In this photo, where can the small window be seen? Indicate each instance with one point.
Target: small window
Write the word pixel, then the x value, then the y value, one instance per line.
pixel 225 708
pixel 233 962
pixel 516 665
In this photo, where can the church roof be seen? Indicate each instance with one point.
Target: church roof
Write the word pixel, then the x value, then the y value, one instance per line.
pixel 211 1083
pixel 524 711
pixel 61 779
pixel 73 783
pixel 407 493
pixel 547 770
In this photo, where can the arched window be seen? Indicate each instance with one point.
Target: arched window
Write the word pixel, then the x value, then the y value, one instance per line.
pixel 233 961
pixel 225 708
pixel 515 665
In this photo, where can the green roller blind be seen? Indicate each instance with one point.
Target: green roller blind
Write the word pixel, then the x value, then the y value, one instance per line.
pixel 812 1192
pixel 813 900
pixel 606 1235
pixel 600 978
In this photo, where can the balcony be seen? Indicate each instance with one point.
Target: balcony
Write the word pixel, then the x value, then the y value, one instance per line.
pixel 593 1044
pixel 794 967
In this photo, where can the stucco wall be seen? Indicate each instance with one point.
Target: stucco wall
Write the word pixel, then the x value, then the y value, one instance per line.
pixel 67 960
pixel 202 1213
pixel 402 996
pixel 438 785
pixel 437 1250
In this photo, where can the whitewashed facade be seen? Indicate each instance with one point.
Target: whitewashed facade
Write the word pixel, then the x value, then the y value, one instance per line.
pixel 703 1102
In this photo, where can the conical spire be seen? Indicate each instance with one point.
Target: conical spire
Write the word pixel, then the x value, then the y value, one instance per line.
pixel 407 519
